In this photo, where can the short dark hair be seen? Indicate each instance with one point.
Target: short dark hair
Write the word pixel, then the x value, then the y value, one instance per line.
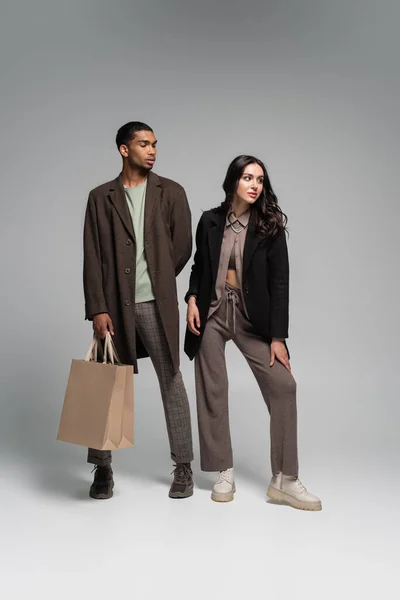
pixel 127 132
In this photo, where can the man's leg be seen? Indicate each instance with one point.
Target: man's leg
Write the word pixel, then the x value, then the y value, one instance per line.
pixel 173 393
pixel 100 458
pixel 103 482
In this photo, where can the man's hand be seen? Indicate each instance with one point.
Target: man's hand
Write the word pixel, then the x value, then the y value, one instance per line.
pixel 193 316
pixel 279 352
pixel 102 323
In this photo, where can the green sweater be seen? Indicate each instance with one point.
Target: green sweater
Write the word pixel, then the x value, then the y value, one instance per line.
pixel 136 198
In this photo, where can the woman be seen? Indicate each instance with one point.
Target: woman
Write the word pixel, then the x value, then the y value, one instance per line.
pixel 239 291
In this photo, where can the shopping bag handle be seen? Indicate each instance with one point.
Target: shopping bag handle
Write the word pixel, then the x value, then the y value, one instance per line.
pixel 92 352
pixel 109 352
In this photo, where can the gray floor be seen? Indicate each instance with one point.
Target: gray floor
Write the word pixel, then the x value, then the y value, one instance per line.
pixel 142 545
pixel 57 541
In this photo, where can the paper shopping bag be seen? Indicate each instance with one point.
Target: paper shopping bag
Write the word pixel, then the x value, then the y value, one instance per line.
pixel 98 404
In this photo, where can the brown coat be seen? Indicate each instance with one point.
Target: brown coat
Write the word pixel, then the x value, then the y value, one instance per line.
pixel 110 259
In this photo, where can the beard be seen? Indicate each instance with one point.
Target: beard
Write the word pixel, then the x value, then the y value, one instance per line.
pixel 141 167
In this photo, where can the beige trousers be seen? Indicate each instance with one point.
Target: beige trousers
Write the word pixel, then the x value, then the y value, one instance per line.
pixel 277 386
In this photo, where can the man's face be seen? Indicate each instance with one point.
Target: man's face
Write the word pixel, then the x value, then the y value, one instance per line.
pixel 141 151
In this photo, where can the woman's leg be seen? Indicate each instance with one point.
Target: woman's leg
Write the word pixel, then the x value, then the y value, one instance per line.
pixel 278 388
pixel 212 397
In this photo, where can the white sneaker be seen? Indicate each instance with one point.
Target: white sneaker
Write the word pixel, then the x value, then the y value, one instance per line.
pixel 224 487
pixel 284 488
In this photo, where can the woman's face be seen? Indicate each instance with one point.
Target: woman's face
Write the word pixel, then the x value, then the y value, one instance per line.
pixel 250 184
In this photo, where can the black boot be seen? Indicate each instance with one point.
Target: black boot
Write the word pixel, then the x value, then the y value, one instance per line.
pixel 103 483
pixel 182 486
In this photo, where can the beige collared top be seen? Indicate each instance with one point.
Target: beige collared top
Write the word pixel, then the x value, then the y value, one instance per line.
pixel 232 243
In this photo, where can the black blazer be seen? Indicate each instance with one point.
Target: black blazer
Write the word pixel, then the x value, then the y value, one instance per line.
pixel 265 278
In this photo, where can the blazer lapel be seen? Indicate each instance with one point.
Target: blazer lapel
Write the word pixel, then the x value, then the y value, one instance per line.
pixel 215 236
pixel 117 196
pixel 250 245
pixel 153 199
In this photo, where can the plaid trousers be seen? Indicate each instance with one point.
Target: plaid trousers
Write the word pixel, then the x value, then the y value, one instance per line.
pixel 173 392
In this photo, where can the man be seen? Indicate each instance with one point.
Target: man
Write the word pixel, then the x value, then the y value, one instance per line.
pixel 137 239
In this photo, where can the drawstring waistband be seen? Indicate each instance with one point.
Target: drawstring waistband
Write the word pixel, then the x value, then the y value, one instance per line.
pixel 232 298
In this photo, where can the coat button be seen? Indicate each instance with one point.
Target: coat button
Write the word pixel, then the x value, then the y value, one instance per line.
pixel 127 303
pixel 128 242
pixel 246 290
pixel 127 270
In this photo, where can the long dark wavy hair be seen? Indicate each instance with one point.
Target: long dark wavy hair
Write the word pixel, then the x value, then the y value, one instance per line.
pixel 266 216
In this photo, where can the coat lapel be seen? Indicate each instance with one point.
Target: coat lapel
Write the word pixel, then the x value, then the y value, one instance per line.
pixel 215 236
pixel 153 199
pixel 250 245
pixel 153 196
pixel 117 196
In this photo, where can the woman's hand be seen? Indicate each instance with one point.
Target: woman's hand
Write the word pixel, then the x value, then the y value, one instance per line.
pixel 193 316
pixel 279 352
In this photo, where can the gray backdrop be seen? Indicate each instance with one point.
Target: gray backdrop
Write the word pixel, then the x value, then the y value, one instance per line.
pixel 311 87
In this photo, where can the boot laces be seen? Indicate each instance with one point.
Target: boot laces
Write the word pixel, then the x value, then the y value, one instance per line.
pixel 225 476
pixel 182 472
pixel 102 474
pixel 301 486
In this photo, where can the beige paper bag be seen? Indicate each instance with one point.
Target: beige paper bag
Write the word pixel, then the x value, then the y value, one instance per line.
pixel 98 404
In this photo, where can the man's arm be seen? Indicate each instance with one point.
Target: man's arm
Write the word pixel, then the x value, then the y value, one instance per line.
pixel 195 275
pixel 181 230
pixel 92 273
